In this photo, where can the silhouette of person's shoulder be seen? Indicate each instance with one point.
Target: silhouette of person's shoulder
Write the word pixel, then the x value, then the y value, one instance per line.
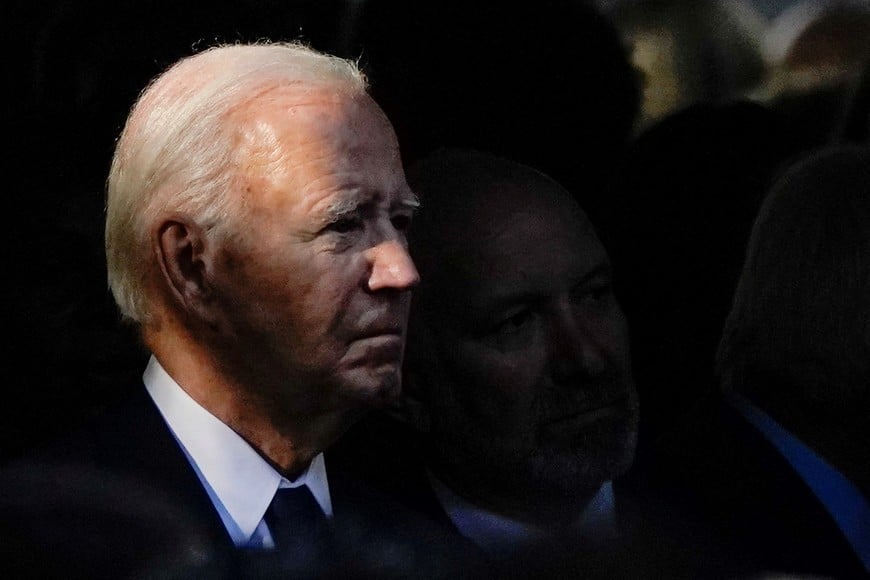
pixel 732 479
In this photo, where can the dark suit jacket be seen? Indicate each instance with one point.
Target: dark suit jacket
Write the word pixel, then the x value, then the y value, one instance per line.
pixel 119 497
pixel 720 468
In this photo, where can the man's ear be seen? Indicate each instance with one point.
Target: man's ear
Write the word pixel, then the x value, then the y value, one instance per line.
pixel 182 252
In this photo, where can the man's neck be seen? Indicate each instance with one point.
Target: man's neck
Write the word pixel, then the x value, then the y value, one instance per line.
pixel 530 507
pixel 502 533
pixel 287 442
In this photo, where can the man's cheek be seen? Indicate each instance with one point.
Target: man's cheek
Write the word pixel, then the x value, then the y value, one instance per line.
pixel 611 336
pixel 500 387
pixel 485 364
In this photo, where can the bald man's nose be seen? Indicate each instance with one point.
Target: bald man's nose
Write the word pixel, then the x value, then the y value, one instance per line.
pixel 391 267
pixel 576 347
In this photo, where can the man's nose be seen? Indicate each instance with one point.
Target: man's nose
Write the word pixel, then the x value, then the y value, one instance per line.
pixel 577 348
pixel 391 267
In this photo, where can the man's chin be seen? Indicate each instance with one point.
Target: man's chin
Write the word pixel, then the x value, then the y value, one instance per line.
pixel 374 390
pixel 585 466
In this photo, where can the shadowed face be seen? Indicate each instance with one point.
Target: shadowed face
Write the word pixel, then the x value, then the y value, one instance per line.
pixel 315 289
pixel 523 349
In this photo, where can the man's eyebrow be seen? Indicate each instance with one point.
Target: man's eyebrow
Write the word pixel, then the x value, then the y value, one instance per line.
pixel 348 205
pixel 603 269
pixel 341 208
pixel 411 201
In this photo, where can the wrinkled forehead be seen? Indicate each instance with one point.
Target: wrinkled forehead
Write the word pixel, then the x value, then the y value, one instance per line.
pixel 324 107
pixel 291 125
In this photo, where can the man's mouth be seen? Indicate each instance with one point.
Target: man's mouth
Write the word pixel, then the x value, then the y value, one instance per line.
pixel 590 412
pixel 586 417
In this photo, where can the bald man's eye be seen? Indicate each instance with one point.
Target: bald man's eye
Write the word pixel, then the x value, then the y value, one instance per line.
pixel 514 331
pixel 515 322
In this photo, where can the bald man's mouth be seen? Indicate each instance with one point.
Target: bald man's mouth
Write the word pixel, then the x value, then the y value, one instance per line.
pixel 614 407
pixel 583 418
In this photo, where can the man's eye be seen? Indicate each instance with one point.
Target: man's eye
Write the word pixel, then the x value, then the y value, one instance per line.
pixel 344 225
pixel 514 322
pixel 515 331
pixel 402 222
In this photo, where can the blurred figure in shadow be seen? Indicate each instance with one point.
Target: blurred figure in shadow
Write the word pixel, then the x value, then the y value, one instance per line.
pixel 518 386
pixel 777 459
pixel 794 363
pixel 545 83
pixel 816 52
pixel 705 52
pixel 690 189
pixel 855 124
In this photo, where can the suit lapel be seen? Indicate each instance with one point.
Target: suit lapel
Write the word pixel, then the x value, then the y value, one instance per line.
pixel 134 440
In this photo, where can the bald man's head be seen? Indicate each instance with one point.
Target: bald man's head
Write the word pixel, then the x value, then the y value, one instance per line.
pixel 518 355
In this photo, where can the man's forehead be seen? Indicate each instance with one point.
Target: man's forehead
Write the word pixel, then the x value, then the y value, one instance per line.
pixel 321 144
pixel 510 232
pixel 507 225
pixel 322 108
pixel 489 276
pixel 533 263
pixel 489 204
pixel 280 123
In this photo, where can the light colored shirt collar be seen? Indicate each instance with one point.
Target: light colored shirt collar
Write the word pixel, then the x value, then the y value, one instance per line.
pixel 239 481
pixel 499 534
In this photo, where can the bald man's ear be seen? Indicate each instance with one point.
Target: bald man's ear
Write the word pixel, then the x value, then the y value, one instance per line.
pixel 182 254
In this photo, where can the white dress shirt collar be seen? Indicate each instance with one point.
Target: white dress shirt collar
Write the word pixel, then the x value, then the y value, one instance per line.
pixel 499 534
pixel 240 482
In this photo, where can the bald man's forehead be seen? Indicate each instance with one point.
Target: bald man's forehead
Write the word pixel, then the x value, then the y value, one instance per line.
pixel 495 210
pixel 528 251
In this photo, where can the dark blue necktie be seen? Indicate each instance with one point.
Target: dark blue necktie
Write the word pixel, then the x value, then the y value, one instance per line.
pixel 296 522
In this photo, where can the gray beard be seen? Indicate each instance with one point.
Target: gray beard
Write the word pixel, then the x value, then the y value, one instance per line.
pixel 480 463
